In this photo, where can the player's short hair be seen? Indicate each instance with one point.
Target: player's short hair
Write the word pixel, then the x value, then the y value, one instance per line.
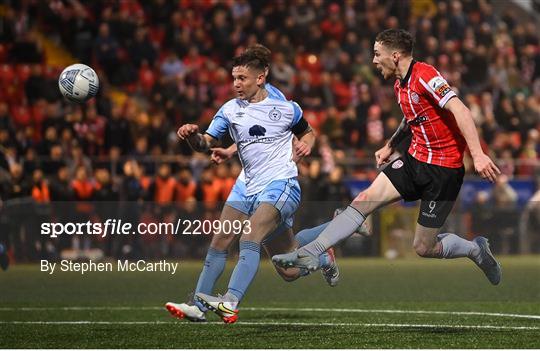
pixel 396 39
pixel 256 56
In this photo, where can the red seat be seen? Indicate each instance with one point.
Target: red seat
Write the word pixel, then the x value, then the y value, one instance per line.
pixel 21 115
pixel 147 78
pixel 7 73
pixel 156 35
pixel 23 72
pixel 3 52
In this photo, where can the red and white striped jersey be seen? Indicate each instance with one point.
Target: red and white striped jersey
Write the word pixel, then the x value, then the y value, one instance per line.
pixel 422 95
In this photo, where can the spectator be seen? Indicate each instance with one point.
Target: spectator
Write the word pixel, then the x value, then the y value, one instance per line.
pixel 162 188
pixel 106 50
pixel 323 60
pixel 283 74
pixel 117 131
pixel 141 49
pixel 59 187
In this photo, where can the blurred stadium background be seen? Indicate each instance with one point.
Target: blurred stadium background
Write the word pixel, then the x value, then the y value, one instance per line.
pixel 164 63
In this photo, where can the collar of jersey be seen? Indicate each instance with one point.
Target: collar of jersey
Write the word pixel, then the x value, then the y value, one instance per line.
pixel 245 103
pixel 408 75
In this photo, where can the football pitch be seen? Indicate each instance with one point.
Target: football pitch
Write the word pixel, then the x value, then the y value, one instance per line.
pixel 413 303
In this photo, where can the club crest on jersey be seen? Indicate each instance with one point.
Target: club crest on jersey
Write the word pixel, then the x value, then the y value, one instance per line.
pixel 274 114
pixel 397 164
pixel 414 97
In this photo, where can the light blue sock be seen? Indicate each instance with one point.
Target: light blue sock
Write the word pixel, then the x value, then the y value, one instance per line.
pixel 324 260
pixel 306 236
pixel 246 268
pixel 214 264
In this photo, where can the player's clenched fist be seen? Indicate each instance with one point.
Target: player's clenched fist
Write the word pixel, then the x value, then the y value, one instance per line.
pixel 383 154
pixel 187 130
pixel 220 155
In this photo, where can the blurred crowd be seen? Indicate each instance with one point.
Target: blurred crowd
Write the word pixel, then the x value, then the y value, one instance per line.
pixel 163 63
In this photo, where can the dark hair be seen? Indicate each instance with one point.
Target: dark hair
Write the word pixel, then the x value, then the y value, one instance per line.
pixel 256 56
pixel 396 39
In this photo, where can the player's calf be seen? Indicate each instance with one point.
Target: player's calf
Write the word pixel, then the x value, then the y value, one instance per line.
pixel 427 250
pixel 288 274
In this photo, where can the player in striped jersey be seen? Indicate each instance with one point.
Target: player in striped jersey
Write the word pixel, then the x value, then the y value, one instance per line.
pixel 431 171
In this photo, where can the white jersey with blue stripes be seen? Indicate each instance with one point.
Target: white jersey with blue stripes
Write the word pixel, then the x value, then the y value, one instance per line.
pixel 262 133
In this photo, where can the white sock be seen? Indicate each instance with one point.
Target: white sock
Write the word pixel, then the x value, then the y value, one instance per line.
pixel 340 228
pixel 231 298
pixel 454 246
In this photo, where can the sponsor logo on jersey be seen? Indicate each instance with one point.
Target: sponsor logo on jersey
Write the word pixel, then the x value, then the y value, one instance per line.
pixel 240 114
pixel 418 120
pixel 257 131
pixel 443 90
pixel 440 86
pixel 274 114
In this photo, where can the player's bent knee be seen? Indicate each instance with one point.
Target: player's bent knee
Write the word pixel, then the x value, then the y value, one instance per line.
pixel 221 241
pixel 363 196
pixel 364 202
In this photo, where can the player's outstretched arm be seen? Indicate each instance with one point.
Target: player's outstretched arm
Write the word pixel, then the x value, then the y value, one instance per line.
pixel 482 163
pixel 198 142
pixel 383 154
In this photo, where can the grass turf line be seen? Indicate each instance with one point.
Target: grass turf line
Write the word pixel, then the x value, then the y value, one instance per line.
pixel 415 284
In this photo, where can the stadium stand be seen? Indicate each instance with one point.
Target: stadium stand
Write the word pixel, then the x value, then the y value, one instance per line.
pixel 163 63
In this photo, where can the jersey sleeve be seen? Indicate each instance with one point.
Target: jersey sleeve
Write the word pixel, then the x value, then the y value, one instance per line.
pixel 275 92
pixel 297 113
pixel 436 88
pixel 219 125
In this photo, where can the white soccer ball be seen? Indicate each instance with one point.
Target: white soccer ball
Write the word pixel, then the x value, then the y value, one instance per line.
pixel 78 83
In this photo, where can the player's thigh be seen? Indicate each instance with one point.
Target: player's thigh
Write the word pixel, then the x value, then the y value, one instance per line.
pixel 265 219
pixel 222 240
pixel 380 193
pixel 274 206
pixel 439 196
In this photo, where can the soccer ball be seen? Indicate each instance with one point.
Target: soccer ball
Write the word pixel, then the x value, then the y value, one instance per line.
pixel 78 83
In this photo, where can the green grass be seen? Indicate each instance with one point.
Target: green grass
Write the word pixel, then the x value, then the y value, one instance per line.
pixel 28 295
